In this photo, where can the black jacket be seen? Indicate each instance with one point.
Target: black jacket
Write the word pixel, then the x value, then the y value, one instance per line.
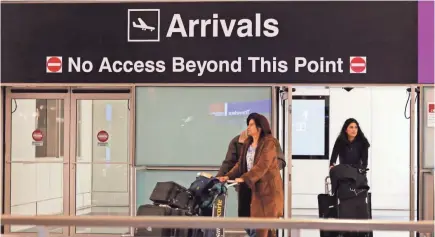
pixel 347 181
pixel 350 153
pixel 233 153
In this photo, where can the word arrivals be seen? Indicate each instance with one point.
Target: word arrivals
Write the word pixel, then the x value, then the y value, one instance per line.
pixel 243 28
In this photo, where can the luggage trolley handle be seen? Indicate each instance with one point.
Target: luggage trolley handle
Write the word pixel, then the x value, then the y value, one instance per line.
pixel 231 183
pixel 228 184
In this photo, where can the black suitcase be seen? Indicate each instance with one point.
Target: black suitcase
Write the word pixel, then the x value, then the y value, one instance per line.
pixel 182 232
pixel 327 208
pixel 158 210
pixel 358 207
pixel 154 210
pixel 174 195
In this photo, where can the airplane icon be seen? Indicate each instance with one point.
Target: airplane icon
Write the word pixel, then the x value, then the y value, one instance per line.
pixel 142 25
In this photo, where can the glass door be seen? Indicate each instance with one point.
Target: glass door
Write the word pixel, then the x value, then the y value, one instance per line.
pixel 36 155
pixel 100 156
pixel 284 110
pixel 426 198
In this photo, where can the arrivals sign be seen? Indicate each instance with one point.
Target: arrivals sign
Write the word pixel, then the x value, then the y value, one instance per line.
pixel 210 42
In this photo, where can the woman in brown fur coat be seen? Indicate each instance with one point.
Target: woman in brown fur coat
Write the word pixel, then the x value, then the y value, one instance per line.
pixel 258 168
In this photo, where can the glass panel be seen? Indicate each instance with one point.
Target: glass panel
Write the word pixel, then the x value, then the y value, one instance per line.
pixel 102 131
pixel 146 180
pixel 192 126
pixel 428 128
pixel 378 118
pixel 37 150
pixel 37 130
pixel 36 189
pixel 102 189
pixel 102 136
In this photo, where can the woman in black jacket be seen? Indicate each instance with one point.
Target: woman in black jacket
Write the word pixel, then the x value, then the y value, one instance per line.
pixel 351 145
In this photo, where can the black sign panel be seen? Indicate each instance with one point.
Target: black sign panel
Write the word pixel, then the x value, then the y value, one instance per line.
pixel 210 42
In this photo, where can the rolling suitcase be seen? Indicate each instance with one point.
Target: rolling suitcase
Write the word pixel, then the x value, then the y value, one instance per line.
pixel 160 210
pixel 154 210
pixel 327 208
pixel 174 195
pixel 358 207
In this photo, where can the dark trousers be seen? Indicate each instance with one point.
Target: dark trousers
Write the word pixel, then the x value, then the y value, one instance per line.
pixel 244 205
pixel 244 200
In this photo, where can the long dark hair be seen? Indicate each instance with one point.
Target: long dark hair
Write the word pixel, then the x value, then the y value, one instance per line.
pixel 342 137
pixel 261 123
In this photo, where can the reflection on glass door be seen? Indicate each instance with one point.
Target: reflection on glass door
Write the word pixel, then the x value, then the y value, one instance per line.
pixel 35 158
pixel 101 161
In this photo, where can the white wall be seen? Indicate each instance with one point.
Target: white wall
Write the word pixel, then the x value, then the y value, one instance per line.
pixel 390 151
pixel 380 112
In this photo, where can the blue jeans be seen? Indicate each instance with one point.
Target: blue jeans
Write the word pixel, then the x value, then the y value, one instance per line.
pixel 250 232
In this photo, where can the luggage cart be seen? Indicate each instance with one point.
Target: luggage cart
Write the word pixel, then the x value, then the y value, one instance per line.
pixel 219 208
pixel 328 207
pixel 218 211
